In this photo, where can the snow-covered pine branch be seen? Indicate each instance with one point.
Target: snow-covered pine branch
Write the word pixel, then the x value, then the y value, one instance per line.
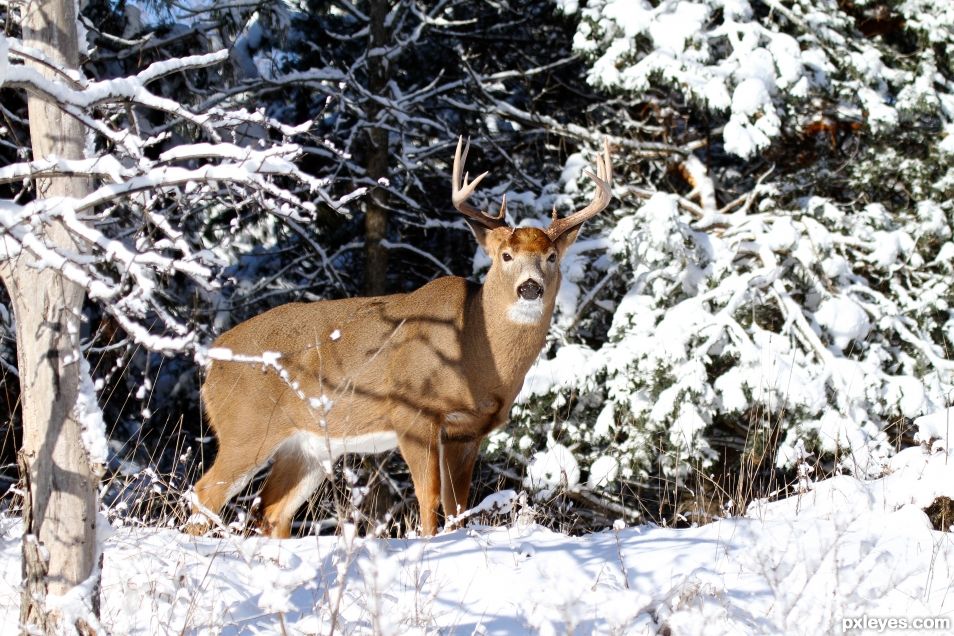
pixel 756 71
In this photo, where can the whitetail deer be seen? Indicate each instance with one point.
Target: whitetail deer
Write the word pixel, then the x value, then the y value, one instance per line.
pixel 431 372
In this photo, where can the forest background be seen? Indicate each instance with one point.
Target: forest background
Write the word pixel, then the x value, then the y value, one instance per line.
pixel 768 299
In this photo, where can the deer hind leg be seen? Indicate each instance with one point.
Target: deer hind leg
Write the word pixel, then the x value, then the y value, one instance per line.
pixel 231 471
pixel 457 468
pixel 295 474
pixel 421 454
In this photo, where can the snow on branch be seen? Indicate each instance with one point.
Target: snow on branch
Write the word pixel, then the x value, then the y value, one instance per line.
pixel 754 70
pixel 79 100
pixel 129 232
pixel 106 167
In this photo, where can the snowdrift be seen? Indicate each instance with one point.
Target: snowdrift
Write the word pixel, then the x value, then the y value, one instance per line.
pixel 845 553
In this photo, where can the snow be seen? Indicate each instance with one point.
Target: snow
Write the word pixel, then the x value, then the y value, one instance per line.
pixel 90 417
pixel 502 502
pixel 842 550
pixel 947 144
pixel 603 471
pixel 4 57
pixel 749 97
pixel 881 116
pixel 671 31
pixel 843 319
pixel 688 424
pixel 552 469
pixel 568 367
pixel 823 360
pixel 781 306
pixel 709 49
pixel 934 426
pixel 133 298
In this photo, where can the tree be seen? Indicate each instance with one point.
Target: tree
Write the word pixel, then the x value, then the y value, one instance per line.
pixel 103 212
pixel 59 544
pixel 378 155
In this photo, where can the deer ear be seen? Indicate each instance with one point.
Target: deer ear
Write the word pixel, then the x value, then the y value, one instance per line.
pixel 482 234
pixel 565 240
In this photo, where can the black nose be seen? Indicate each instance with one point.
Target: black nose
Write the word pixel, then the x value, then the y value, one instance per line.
pixel 530 289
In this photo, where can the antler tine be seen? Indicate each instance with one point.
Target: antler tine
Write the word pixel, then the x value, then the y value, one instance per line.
pixel 503 208
pixel 603 179
pixel 461 191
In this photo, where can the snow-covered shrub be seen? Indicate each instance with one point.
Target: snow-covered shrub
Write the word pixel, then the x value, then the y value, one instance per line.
pixel 781 288
pixel 768 67
pixel 824 317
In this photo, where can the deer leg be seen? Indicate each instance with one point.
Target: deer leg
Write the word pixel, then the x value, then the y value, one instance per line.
pixel 421 455
pixel 293 478
pixel 230 472
pixel 457 468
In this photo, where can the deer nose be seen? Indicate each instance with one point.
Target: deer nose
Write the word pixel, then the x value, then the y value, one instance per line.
pixel 530 289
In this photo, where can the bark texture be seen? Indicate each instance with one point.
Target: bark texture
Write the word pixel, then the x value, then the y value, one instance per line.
pixel 59 544
pixel 376 211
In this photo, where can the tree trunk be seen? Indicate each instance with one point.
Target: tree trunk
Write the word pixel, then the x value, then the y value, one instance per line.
pixel 59 541
pixel 376 211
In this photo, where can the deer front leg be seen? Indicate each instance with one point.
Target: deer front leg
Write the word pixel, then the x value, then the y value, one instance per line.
pixel 422 456
pixel 457 468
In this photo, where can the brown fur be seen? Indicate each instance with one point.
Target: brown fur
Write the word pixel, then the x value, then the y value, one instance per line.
pixel 529 240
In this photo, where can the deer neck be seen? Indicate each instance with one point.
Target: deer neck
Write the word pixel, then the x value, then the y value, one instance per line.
pixel 508 347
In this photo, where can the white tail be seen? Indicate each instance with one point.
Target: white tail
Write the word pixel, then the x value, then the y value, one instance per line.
pixel 431 372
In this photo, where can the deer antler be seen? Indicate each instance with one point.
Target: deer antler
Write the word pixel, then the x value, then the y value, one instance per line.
pixel 460 193
pixel 603 179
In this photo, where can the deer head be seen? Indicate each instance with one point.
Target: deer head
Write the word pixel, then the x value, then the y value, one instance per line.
pixel 525 262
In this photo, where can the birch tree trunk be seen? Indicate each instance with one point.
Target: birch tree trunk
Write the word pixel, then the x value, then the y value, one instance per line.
pixel 59 540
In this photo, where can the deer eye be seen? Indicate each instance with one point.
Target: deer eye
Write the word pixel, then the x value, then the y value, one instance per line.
pixel 551 258
pixel 506 256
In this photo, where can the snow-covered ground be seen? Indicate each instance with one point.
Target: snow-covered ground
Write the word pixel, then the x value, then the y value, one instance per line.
pixel 846 553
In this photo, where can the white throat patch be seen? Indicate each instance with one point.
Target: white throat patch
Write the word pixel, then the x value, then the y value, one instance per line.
pixel 526 312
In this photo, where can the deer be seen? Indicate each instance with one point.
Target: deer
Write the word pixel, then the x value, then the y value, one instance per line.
pixel 431 372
